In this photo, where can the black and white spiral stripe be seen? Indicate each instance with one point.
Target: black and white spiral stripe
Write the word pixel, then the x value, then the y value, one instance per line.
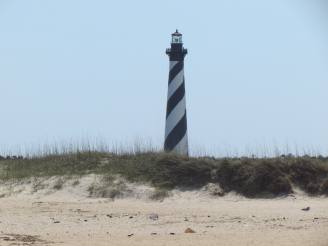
pixel 176 138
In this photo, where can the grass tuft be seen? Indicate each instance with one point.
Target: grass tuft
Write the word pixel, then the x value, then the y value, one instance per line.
pixel 159 194
pixel 59 184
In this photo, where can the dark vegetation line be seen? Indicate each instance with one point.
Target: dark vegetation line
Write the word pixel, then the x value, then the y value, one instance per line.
pixel 11 157
pixel 251 177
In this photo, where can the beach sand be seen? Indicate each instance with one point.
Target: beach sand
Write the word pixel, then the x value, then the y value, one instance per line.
pixel 67 218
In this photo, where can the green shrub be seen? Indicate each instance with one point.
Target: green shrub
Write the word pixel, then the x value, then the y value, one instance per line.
pixel 259 178
pixel 324 187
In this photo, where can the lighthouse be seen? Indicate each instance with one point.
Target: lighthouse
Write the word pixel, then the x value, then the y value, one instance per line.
pixel 176 137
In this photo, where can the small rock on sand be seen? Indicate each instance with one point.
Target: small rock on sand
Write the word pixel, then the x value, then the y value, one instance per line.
pixel 306 209
pixel 153 216
pixel 189 230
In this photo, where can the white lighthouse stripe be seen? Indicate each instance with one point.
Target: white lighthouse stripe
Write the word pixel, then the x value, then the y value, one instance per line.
pixel 174 85
pixel 175 116
pixel 172 64
pixel 182 146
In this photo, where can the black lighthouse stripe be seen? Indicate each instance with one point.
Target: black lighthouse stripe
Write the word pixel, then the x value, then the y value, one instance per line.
pixel 175 70
pixel 175 99
pixel 176 134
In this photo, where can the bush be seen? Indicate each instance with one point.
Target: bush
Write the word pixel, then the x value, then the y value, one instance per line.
pixel 324 187
pixel 308 174
pixel 253 179
pixel 172 171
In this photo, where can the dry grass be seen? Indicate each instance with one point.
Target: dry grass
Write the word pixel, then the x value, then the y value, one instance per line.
pixel 159 194
pixel 108 187
pixel 59 184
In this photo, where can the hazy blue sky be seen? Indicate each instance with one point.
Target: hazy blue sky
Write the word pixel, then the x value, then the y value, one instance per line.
pixel 256 72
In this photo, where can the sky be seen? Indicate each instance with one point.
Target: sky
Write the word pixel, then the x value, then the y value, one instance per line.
pixel 256 73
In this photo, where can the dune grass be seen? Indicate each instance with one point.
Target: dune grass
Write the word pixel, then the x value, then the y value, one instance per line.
pixel 252 177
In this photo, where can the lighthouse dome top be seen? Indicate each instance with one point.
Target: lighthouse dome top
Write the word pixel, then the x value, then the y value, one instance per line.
pixel 176 37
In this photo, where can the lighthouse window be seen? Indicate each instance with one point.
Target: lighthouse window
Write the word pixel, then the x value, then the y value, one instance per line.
pixel 176 40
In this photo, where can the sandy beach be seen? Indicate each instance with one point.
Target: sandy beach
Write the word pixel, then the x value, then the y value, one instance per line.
pixel 66 218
